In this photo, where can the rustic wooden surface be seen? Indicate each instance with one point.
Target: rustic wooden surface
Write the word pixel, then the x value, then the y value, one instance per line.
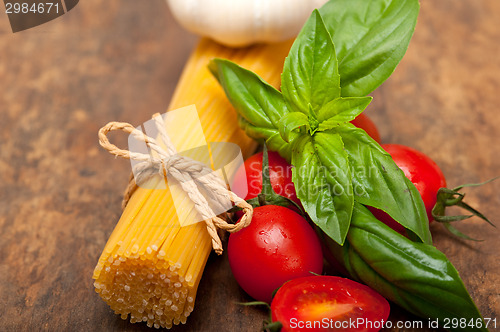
pixel 120 60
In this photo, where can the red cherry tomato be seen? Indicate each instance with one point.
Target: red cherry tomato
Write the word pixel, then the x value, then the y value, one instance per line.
pixel 278 245
pixel 327 303
pixel 364 122
pixel 280 173
pixel 422 171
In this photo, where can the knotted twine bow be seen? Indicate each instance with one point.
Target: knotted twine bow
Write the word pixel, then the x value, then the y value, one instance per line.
pixel 188 172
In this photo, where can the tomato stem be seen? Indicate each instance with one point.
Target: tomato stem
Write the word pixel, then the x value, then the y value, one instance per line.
pixel 452 197
pixel 254 303
pixel 272 327
pixel 267 325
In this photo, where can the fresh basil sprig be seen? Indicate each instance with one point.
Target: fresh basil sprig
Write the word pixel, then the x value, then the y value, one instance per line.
pixel 416 276
pixel 308 124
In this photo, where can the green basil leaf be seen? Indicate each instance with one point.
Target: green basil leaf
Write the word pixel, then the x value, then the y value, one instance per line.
pixel 322 179
pixel 290 122
pixel 341 110
pixel 379 182
pixel 416 276
pixel 310 74
pixel 270 136
pixel 370 38
pixel 254 99
pixel 260 106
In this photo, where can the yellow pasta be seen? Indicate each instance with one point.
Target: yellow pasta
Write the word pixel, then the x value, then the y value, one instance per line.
pixel 150 268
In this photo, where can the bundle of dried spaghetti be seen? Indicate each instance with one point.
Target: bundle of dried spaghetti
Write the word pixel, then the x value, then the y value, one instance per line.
pixel 151 266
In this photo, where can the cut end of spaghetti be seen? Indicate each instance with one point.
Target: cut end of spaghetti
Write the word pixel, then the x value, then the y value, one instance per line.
pixel 150 269
pixel 153 291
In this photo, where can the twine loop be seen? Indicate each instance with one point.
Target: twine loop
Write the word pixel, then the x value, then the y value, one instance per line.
pixel 193 176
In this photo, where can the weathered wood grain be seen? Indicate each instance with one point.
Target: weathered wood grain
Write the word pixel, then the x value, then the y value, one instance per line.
pixel 120 60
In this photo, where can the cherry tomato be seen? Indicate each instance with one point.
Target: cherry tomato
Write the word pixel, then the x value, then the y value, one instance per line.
pixel 280 173
pixel 422 171
pixel 364 122
pixel 277 246
pixel 327 303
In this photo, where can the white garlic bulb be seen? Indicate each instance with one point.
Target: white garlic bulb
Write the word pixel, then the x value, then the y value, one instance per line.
pixel 242 22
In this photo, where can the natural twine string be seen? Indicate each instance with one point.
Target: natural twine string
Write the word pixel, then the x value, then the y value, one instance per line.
pixel 193 176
